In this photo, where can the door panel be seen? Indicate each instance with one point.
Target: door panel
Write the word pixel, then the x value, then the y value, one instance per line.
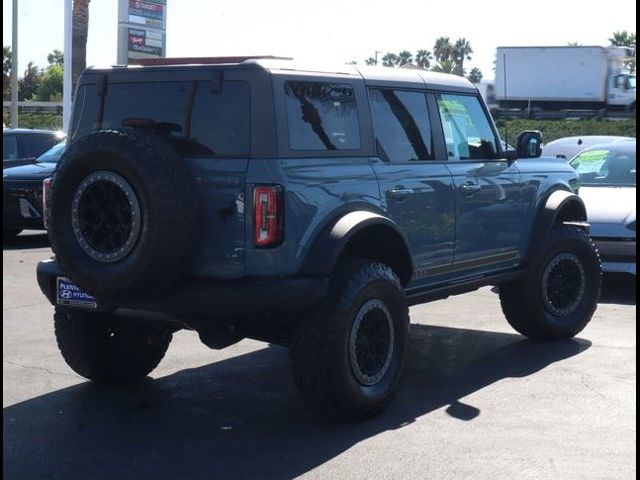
pixel 416 191
pixel 488 190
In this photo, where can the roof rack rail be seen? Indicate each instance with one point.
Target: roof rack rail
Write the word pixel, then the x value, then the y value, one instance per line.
pixel 201 60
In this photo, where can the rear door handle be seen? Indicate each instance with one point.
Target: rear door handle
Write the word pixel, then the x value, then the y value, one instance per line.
pixel 470 188
pixel 400 193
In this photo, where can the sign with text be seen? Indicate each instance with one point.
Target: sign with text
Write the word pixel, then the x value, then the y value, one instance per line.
pixel 141 29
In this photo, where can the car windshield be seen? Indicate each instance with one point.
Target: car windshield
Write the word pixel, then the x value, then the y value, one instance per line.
pixel 607 167
pixel 53 154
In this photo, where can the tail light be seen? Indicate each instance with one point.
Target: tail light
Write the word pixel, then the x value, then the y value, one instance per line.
pixel 268 215
pixel 46 186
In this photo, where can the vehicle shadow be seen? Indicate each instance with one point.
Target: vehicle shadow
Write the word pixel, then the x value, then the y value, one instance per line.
pixel 22 242
pixel 242 417
pixel 619 288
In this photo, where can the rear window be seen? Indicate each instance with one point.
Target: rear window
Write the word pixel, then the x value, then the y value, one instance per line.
pixel 321 116
pixel 192 117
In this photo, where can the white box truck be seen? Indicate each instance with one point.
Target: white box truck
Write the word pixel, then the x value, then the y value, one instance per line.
pixel 569 77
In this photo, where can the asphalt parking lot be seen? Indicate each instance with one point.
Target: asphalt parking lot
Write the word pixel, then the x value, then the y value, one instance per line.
pixel 478 401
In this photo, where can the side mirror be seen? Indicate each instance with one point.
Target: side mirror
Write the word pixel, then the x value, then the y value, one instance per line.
pixel 529 144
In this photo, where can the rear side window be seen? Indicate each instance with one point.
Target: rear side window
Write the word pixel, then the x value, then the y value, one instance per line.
pixel 321 116
pixel 9 147
pixel 467 130
pixel 34 145
pixel 189 115
pixel 401 124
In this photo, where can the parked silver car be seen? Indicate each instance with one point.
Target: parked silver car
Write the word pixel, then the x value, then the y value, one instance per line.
pixel 569 147
pixel 608 188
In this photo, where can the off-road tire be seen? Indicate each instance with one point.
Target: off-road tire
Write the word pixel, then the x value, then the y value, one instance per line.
pixel 523 301
pixel 321 349
pixel 109 349
pixel 169 214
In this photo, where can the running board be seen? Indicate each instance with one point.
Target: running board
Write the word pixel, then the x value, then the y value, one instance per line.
pixel 457 288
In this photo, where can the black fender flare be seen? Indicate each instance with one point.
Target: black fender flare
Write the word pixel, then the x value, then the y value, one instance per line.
pixel 561 206
pixel 326 249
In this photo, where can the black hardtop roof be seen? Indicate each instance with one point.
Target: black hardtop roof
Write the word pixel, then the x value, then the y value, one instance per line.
pixel 285 66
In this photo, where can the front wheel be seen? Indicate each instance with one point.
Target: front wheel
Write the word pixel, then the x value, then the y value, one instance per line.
pixel 558 296
pixel 349 355
pixel 109 349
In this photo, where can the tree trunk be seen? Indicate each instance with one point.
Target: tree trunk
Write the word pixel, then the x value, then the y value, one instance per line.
pixel 79 43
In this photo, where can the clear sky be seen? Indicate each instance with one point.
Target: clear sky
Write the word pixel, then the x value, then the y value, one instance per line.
pixel 330 30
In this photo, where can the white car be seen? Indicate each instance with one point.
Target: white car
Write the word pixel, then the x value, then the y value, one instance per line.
pixel 608 188
pixel 569 147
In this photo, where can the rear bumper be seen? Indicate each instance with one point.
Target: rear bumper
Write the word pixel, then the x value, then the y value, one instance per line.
pixel 200 297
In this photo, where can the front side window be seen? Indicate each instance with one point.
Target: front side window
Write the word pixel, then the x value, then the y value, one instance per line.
pixel 401 124
pixel 467 130
pixel 321 116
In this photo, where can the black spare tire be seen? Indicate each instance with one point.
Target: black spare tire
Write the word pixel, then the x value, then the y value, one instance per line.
pixel 123 214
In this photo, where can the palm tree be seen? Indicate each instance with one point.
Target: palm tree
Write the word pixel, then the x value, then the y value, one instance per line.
pixel 423 59
pixel 79 42
pixel 623 39
pixel 461 51
pixel 475 75
pixel 390 60
pixel 442 49
pixel 405 57
pixel 370 61
pixel 444 66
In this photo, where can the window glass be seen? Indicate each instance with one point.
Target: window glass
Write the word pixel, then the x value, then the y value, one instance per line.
pixel 321 116
pixel 467 130
pixel 85 111
pixel 53 154
pixel 401 124
pixel 604 167
pixel 187 114
pixel 34 145
pixel 9 147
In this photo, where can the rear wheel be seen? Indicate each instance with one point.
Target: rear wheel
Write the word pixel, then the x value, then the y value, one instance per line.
pixel 557 297
pixel 349 355
pixel 109 349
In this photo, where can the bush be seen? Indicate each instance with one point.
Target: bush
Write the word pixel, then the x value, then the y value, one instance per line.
pixel 50 121
pixel 554 129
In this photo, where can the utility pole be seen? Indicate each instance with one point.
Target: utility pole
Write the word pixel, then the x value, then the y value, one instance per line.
pixel 376 56
pixel 67 94
pixel 14 66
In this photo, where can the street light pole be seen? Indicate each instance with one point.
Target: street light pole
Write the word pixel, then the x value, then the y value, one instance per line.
pixel 14 66
pixel 67 92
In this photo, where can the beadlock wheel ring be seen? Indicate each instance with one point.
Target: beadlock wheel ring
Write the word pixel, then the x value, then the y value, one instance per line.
pixel 563 284
pixel 371 342
pixel 105 216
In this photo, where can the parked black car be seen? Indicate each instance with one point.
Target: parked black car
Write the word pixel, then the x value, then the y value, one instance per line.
pixel 21 146
pixel 22 192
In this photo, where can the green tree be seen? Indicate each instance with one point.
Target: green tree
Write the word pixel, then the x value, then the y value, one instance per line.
pixel 461 51
pixel 405 57
pixel 390 60
pixel 6 72
pixel 442 49
pixel 423 59
pixel 444 66
pixel 56 57
pixel 80 24
pixel 370 61
pixel 475 75
pixel 30 82
pixel 625 39
pixel 50 88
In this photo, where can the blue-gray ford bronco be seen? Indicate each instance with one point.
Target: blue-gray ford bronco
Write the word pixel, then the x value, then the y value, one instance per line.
pixel 310 208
